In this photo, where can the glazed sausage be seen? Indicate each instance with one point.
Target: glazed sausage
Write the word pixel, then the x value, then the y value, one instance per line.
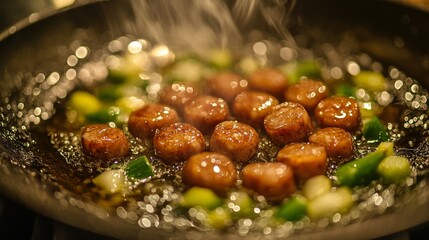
pixel 177 95
pixel 177 142
pixel 273 180
pixel 268 80
pixel 205 112
pixel 143 122
pixel 104 142
pixel 287 123
pixel 307 92
pixel 236 140
pixel 226 85
pixel 251 107
pixel 337 141
pixel 210 170
pixel 306 159
pixel 336 111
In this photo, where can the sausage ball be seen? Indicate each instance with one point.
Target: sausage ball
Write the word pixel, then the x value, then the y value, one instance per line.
pixel 104 142
pixel 226 85
pixel 177 142
pixel 336 111
pixel 210 170
pixel 273 180
pixel 268 80
pixel 306 159
pixel 307 92
pixel 251 107
pixel 236 140
pixel 143 122
pixel 337 141
pixel 177 95
pixel 287 123
pixel 205 112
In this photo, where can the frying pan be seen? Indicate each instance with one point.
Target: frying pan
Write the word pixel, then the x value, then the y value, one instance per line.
pixel 33 173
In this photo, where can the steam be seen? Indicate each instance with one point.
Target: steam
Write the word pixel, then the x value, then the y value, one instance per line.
pixel 198 25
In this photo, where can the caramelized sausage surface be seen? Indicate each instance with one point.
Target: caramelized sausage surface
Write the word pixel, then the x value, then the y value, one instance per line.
pixel 210 170
pixel 268 80
pixel 104 142
pixel 143 122
pixel 288 122
pixel 177 142
pixel 178 95
pixel 205 112
pixel 336 111
pixel 337 141
pixel 226 85
pixel 236 140
pixel 307 92
pixel 251 107
pixel 306 159
pixel 273 180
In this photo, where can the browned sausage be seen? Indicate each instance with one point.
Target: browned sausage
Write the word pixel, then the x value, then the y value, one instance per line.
pixel 337 141
pixel 268 80
pixel 143 122
pixel 205 112
pixel 104 142
pixel 273 180
pixel 251 107
pixel 177 142
pixel 287 123
pixel 177 95
pixel 306 159
pixel 226 85
pixel 307 92
pixel 236 140
pixel 336 111
pixel 210 170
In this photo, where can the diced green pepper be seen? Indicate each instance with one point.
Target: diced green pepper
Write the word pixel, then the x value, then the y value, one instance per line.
pixel 359 171
pixel 241 204
pixel 345 90
pixel 140 168
pixel 295 70
pixel 292 209
pixel 394 169
pixel 219 218
pixel 108 93
pixel 201 197
pixel 103 115
pixel 374 131
pixel 220 58
pixel 84 102
pixel 372 81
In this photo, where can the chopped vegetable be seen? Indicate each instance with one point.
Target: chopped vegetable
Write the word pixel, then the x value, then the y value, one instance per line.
pixel 111 181
pixel 219 218
pixel 345 90
pixel 104 115
pixel 84 102
pixel 220 58
pixel 109 93
pixel 241 204
pixel 374 131
pixel 360 171
pixel 190 70
pixel 295 70
pixel 139 168
pixel 372 81
pixel 338 201
pixel 394 169
pixel 316 186
pixel 248 65
pixel 293 209
pixel 386 147
pixel 201 197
